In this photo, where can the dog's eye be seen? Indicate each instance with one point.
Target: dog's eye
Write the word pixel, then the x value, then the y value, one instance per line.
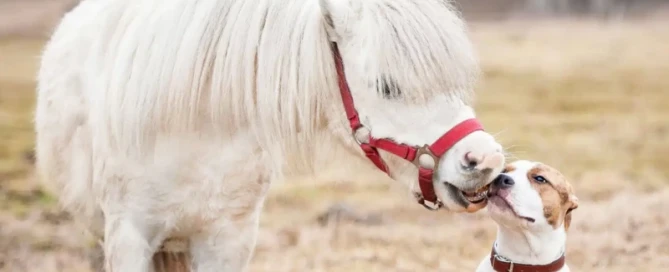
pixel 540 179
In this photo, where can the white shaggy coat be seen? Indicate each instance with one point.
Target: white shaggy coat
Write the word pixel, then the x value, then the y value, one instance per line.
pixel 170 118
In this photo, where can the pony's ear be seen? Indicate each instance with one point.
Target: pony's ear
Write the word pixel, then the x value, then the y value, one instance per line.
pixel 338 15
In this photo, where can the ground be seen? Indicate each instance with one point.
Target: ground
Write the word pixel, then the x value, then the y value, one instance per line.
pixel 591 99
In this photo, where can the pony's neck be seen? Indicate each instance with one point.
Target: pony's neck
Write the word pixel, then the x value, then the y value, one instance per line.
pixel 530 247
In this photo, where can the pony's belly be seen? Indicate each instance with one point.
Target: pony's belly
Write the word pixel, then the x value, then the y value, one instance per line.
pixel 186 184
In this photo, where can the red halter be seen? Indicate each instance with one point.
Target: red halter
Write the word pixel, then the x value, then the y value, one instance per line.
pixel 410 153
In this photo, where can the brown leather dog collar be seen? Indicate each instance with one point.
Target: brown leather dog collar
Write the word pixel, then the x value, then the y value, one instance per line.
pixel 501 264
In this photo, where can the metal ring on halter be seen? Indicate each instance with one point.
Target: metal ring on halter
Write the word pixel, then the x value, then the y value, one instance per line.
pixel 435 206
pixel 355 135
pixel 425 150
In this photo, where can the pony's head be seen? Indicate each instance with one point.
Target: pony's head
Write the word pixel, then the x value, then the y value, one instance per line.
pixel 411 70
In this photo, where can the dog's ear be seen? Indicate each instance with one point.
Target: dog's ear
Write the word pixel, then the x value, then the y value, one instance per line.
pixel 573 205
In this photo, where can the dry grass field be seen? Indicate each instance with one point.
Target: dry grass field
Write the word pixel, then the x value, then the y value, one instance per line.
pixel 590 98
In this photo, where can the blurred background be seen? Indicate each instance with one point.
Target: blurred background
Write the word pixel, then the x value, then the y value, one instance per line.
pixel 582 85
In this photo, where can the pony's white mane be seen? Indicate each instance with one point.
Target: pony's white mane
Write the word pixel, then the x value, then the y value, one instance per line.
pixel 238 63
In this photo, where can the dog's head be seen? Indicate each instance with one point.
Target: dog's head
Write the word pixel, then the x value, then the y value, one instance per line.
pixel 531 195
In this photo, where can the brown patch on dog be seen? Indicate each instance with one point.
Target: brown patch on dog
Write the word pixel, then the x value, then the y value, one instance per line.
pixel 556 193
pixel 508 168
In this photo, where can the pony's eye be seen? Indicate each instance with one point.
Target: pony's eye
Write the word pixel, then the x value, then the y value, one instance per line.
pixel 540 179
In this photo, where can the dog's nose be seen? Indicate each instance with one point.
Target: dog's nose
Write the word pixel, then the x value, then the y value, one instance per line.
pixel 503 181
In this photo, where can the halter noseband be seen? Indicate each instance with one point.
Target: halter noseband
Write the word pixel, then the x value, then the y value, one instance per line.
pixel 370 145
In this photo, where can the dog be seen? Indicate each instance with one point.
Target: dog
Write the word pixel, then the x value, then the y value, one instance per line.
pixel 532 204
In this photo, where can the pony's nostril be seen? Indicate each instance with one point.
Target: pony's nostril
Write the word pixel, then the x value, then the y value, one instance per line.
pixel 471 161
pixel 483 162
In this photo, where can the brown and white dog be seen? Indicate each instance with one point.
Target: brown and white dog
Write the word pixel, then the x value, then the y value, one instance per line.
pixel 531 204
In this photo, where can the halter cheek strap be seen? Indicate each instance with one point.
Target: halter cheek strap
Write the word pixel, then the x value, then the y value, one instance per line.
pixel 370 145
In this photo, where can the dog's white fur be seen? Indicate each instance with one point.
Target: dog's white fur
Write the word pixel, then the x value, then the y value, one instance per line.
pixel 169 118
pixel 519 240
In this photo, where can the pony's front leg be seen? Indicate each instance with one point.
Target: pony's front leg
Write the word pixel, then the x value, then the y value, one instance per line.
pixel 227 246
pixel 128 245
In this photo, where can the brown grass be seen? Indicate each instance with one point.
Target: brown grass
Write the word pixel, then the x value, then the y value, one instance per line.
pixel 589 99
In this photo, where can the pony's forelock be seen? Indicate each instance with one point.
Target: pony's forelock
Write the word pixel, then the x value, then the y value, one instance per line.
pixel 423 47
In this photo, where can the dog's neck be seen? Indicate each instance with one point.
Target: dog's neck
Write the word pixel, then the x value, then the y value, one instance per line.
pixel 530 247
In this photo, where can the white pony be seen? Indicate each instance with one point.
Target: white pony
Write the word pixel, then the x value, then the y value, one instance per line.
pixel 163 119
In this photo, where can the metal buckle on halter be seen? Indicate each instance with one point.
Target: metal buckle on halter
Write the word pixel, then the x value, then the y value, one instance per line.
pixel 432 206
